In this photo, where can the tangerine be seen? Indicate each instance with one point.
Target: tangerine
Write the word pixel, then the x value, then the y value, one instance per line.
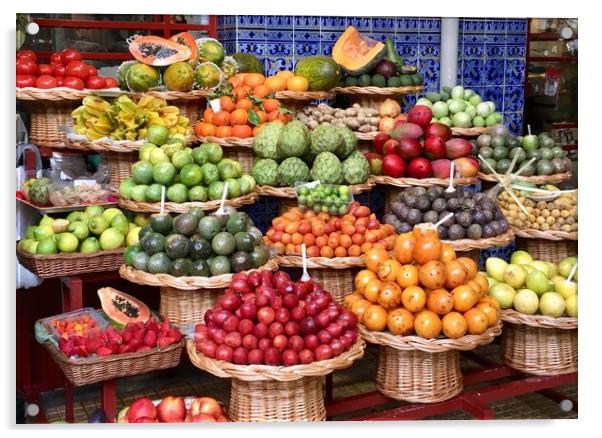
pixel 440 301
pixel 454 325
pixel 477 321
pixel 407 276
pixel 327 251
pixel 389 270
pixel 223 131
pixel 476 287
pixel 413 298
pixel 374 257
pixel 253 79
pixel 244 104
pixel 261 91
pixel 354 251
pixel 221 118
pixel 389 296
pixel 352 298
pixel 456 274
pixel 491 300
pixel 404 247
pixel 427 324
pixel 227 104
pixel 464 298
pixel 483 283
pixel 313 251
pixel 239 92
pixel 297 83
pixel 372 289
pixel 339 251
pixel 375 318
pixel 470 265
pixel 242 131
pixel 276 83
pixel 285 74
pixel 400 322
pixel 239 117
pixel 270 105
pixel 432 274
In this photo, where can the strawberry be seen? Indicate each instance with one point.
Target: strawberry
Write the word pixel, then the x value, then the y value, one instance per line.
pixel 104 351
pixel 150 339
pixel 174 333
pixel 165 327
pixel 164 341
pixel 127 336
pixel 131 327
pixel 140 325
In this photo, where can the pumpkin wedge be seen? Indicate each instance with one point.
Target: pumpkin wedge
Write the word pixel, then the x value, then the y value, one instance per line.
pixel 356 53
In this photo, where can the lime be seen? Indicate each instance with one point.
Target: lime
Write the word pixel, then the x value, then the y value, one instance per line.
pixel 91 244
pixel 145 151
pixel 215 190
pixel 94 210
pixel 142 172
pixel 47 246
pixel 198 194
pixel 210 173
pixel 214 152
pixel 234 190
pixel 120 223
pixel 181 158
pixel 158 156
pixel 163 173
pixel 98 224
pixel 129 253
pixel 67 242
pixel 199 156
pixel 79 230
pixel 139 193
pixel 111 238
pixel 157 134
pixel 191 175
pixel 153 193
pixel 177 193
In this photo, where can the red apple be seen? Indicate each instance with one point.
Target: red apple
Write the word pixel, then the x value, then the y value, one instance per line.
pixel 335 329
pixel 231 324
pixel 311 342
pixel 290 301
pixel 272 356
pixel 311 309
pixel 224 352
pixel 283 315
pixel 265 315
pixel 220 316
pixel 375 161
pixel 145 420
pixel 280 277
pixel 264 344
pixel 393 166
pixel 254 279
pixel 249 342
pixel 245 326
pixel 233 339
pixel 434 148
pixel 420 168
pixel 391 146
pixel 276 328
pixel 322 319
pixel 240 356
pixel 379 140
pixel 438 130
pixel 386 124
pixel 324 337
pixel 468 167
pixel 261 330
pixel 323 352
pixel 218 335
pixel 290 358
pixel 207 347
pixel 306 356
pixel 142 407
pixel 205 405
pixel 291 328
pixel 295 342
pixel 255 356
pixel 230 301
pixel 297 313
pixel 202 418
pixel 421 115
pixel 337 347
pixel 280 342
pixel 248 309
pixel 308 326
pixel 347 319
pixel 409 148
pixel 261 299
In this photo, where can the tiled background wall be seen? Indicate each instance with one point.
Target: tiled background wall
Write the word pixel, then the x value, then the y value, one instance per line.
pixel 491 56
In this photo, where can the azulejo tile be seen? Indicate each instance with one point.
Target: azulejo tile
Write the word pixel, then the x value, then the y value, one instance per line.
pixel 430 24
pixel 479 90
pixel 495 94
pixel 513 99
pixel 472 72
pixel 408 24
pixel 254 47
pixel 429 50
pixel 495 26
pixel 407 50
pixel 408 102
pixel 406 38
pixel 381 36
pixel 278 35
pixel 516 51
pixel 517 26
pixel 430 70
pixel 494 51
pixel 280 48
pixel 518 40
pixel 230 47
pixel 251 20
pixel 307 35
pixel 306 22
pixel 429 38
pixel 472 25
pixel 280 21
pixel 333 23
pixel 257 35
pixel 471 50
pixel 514 122
pixel 385 24
pixel 307 48
pixel 494 71
pixel 515 71
pixel 495 40
pixel 473 38
pixel 274 65
pixel 359 23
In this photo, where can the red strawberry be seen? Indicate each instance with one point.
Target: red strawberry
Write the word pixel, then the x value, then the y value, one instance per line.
pixel 152 325
pixel 127 336
pixel 79 341
pixel 80 350
pixel 115 348
pixel 150 339
pixel 174 333
pixel 164 341
pixel 165 327
pixel 131 327
pixel 104 351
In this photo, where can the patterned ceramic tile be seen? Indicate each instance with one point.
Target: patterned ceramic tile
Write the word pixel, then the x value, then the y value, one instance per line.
pixel 517 26
pixel 230 47
pixel 516 40
pixel 274 65
pixel 381 36
pixel 496 26
pixel 278 21
pixel 406 38
pixel 515 51
pixel 408 102
pixel 471 50
pixel 513 98
pixel 306 22
pixel 515 71
pixel 472 26
pixel 514 122
pixel 250 34
pixel 280 48
pixel 430 69
pixel 254 47
pixel 251 21
pixel 479 90
pixel 385 24
pixel 277 35
pixel 307 48
pixel 494 51
pixel 327 40
pixel 333 23
pixel 495 39
pixel 430 24
pixel 409 24
pixel 474 39
pixel 306 35
pixel 472 72
pixel 494 72
pixel 496 94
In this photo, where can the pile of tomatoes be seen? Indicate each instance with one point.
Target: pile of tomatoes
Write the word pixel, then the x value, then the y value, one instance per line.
pixel 325 235
pixel 66 69
pixel 423 289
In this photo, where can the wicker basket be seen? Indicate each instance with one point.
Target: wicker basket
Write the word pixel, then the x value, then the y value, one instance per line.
pixel 372 97
pixel 187 306
pixel 425 182
pixel 191 109
pixel 47 119
pixel 552 246
pixel 173 207
pixel 120 164
pixel 228 141
pixel 537 179
pixel 268 393
pixel 290 192
pixel 245 156
pixel 540 345
pixel 108 145
pixel 421 370
pixel 64 265
pixel 469 132
pixel 97 369
pixel 297 100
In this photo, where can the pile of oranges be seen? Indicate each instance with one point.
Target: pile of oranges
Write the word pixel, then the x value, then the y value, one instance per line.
pixel 260 86
pixel 423 289
pixel 350 235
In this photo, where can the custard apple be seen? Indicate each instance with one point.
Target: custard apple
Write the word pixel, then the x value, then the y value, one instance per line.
pixel 39 192
pixel 325 138
pixel 327 168
pixel 293 140
pixel 292 170
pixel 356 169
pixel 265 172
pixel 265 144
pixel 348 146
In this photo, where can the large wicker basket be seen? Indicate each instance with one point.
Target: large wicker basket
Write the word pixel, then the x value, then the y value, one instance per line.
pixel 269 393
pixel 537 344
pixel 374 96
pixel 536 179
pixel 173 207
pixel 47 119
pixel 551 246
pixel 85 371
pixel 421 370
pixel 182 307
pixel 64 265
pixel 120 164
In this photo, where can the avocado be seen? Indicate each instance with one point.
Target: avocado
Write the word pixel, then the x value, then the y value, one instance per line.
pixel 241 261
pixel 364 80
pixel 259 256
pixel 238 222
pixel 140 261
pixel 433 97
pixel 503 165
pixel 200 268
pixel 180 267
pixel 351 81
pixel 394 81
pixel 197 212
pixel 257 234
pixel 144 231
pixel 177 246
pixel 417 79
pixel 378 80
pixel 161 223
pixel 512 142
pixel 185 224
pixel 153 243
pixel 500 152
pixel 158 263
pixel 244 241
pixel 199 248
pixel 131 251
pixel 405 80
pixel 208 227
pixel 223 217
pixel 223 244
pixel 544 167
pixel 533 153
pixel 220 265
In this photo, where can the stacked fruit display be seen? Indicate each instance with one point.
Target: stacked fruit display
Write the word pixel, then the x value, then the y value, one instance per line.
pixel 475 215
pixel 499 148
pixel 423 289
pixel 262 87
pixel 356 117
pixel 127 119
pixel 461 108
pixel 323 198
pixel 90 231
pixel 172 409
pixel 370 63
pixel 534 286
pixel 557 214
pixel 418 148
pixel 266 318
pixel 198 174
pixel 240 116
pixel 328 150
pixel 350 235
pixel 193 244
pixel 66 69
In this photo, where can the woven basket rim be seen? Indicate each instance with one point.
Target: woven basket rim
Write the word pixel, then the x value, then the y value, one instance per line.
pixel 425 182
pixel 68 256
pixel 511 316
pixel 254 373
pixel 366 135
pixel 186 283
pixel 304 95
pixel 291 192
pixel 227 141
pixel 105 145
pixel 65 93
pixel 537 179
pixel 468 244
pixel 296 261
pixel 379 91
pixel 465 343
pixel 528 233
pixel 155 207
pixel 471 132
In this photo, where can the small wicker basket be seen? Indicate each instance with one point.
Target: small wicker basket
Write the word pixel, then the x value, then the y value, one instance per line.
pixel 373 96
pixel 469 132
pixel 228 141
pixel 120 164
pixel 182 307
pixel 244 155
pixel 47 119
pixel 540 345
pixel 537 179
pixel 551 246
pixel 421 370
pixel 173 207
pixel 424 182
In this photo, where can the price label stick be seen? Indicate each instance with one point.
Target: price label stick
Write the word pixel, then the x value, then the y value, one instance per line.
pixel 447 216
pixel 162 200
pixel 570 277
pixel 305 276
pixel 220 210
pixel 450 187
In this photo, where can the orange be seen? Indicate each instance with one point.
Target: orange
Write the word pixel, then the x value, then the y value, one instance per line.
pixel 388 270
pixel 276 83
pixel 432 274
pixel 440 301
pixel 238 117
pixel 253 79
pixel 321 241
pixel 427 324
pixel 413 298
pixel 345 241
pixel 375 318
pixel 263 117
pixel 261 91
pixel 290 249
pixel 456 274
pixel 208 115
pixel 285 74
pixel 339 251
pixel 221 118
pixel 400 322
pixel 286 238
pixel 348 229
pixel 313 251
pixel 448 254
pixel 359 308
pixel 490 312
pixel 309 239
pixel 256 130
pixel 407 276
pixel 244 104
pixel 327 251
pixel 389 296
pixel 354 251
pixel 470 265
pixel 483 283
pixel 297 83
pixel 227 104
pixel 454 325
pixel 350 299
pixel 242 131
pixel 357 239
pixel 297 238
pixel 223 131
pixel 204 129
pixel 464 298
pixel 372 289
pixel 477 321
pixel 239 93
pixel 491 300
pixel 374 257
pixel 236 80
pixel 403 248
pixel 426 249
pixel 270 105
pixel 333 241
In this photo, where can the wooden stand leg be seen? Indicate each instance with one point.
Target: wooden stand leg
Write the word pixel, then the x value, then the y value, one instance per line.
pixel 109 400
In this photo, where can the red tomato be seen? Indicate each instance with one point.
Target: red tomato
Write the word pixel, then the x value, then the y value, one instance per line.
pixel 111 82
pixel 26 81
pixel 26 66
pixel 46 81
pixel 58 70
pixel 92 71
pixel 44 69
pixel 55 58
pixel 78 69
pixel 96 83
pixel 68 55
pixel 73 82
pixel 59 81
pixel 27 54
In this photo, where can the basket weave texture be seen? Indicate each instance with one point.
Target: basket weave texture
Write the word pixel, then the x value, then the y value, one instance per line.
pixel 227 141
pixel 304 95
pixel 173 207
pixel 378 91
pixel 546 235
pixel 537 179
pixel 469 132
pixel 424 182
pixel 47 120
pixel 182 307
pixel 549 250
pixel 290 192
pixel 120 164
pixel 484 243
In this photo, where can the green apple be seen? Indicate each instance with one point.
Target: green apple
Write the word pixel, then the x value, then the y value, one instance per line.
pixel 67 242
pixel 79 230
pixel 98 224
pixel 111 238
pixel 91 244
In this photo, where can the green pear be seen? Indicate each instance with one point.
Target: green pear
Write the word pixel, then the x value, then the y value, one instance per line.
pixel 94 210
pixel 91 244
pixel 98 224
pixel 47 246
